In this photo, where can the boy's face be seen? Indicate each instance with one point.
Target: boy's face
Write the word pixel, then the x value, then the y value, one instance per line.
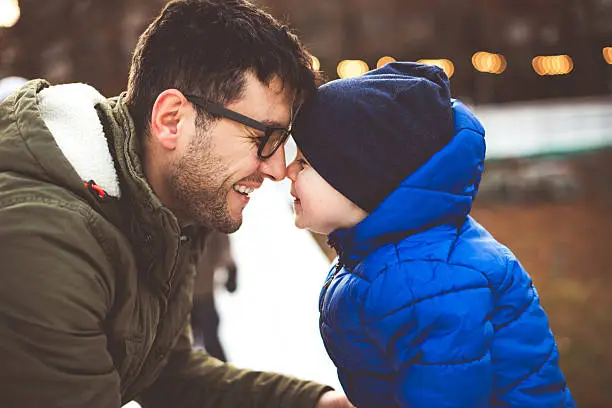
pixel 318 206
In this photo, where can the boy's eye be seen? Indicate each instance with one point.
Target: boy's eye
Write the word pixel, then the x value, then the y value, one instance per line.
pixel 303 163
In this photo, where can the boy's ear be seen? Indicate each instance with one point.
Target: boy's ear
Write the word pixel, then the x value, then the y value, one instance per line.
pixel 167 117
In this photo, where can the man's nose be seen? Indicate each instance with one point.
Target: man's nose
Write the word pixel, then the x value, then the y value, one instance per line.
pixel 275 167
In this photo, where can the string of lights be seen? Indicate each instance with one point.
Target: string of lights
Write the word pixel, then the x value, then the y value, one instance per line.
pixel 482 61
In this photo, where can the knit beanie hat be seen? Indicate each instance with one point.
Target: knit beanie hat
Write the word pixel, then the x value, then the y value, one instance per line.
pixel 365 135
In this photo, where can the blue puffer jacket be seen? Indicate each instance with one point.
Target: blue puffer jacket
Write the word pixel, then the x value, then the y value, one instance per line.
pixel 426 309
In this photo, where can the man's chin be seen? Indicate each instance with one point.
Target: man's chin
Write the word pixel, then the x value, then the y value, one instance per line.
pixel 233 227
pixel 226 223
pixel 231 223
pixel 234 215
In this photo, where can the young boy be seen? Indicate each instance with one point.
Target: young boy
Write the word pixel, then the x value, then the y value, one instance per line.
pixel 424 308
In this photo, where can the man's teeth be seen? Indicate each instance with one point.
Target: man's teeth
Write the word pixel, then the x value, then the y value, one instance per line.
pixel 243 189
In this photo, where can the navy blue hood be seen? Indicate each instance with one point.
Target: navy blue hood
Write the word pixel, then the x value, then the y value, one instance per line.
pixel 439 192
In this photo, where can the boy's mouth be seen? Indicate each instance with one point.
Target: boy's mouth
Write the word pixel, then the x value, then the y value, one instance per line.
pixel 294 195
pixel 297 205
pixel 296 200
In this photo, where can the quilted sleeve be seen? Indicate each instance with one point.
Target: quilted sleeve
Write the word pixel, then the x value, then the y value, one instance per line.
pixel 431 320
pixel 527 369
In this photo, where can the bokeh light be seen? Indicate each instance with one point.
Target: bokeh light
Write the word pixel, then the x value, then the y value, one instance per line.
pixel 552 64
pixel 352 68
pixel 316 64
pixel 9 13
pixel 445 64
pixel 607 54
pixel 488 62
pixel 384 61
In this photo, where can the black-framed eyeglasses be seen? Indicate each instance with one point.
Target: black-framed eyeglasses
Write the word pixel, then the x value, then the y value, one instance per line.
pixel 273 138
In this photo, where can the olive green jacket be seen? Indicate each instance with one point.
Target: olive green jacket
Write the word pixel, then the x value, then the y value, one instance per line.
pixel 95 287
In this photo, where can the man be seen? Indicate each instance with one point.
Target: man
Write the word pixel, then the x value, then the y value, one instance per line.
pixel 103 201
pixel 204 316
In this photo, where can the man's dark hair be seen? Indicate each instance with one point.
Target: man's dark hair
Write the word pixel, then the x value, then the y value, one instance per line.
pixel 204 47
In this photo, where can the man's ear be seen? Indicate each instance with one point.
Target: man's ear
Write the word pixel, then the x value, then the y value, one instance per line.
pixel 167 117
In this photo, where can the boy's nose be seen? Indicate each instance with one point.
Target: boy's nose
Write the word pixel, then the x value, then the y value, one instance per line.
pixel 292 171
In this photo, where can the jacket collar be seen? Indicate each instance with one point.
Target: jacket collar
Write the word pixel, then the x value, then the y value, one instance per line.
pixel 69 113
pixel 441 192
pixel 97 137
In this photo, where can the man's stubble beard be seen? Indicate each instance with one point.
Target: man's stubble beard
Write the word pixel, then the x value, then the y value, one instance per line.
pixel 197 184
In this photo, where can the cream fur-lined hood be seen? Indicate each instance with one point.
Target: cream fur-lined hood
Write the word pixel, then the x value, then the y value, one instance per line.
pixel 56 134
pixel 69 113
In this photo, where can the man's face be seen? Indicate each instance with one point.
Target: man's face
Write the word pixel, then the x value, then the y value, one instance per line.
pixel 210 177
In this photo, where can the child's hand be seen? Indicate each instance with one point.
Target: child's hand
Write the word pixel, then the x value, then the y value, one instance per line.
pixel 334 399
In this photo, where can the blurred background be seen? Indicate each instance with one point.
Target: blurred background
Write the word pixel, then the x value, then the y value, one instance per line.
pixel 538 73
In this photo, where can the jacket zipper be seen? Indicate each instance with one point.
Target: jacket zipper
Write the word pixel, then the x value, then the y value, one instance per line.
pixel 326 286
pixel 183 240
pixel 332 243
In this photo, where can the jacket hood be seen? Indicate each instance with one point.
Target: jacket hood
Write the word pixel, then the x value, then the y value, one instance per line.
pixel 62 134
pixel 70 134
pixel 439 192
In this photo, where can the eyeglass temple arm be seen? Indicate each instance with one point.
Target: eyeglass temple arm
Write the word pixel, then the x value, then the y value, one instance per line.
pixel 218 109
